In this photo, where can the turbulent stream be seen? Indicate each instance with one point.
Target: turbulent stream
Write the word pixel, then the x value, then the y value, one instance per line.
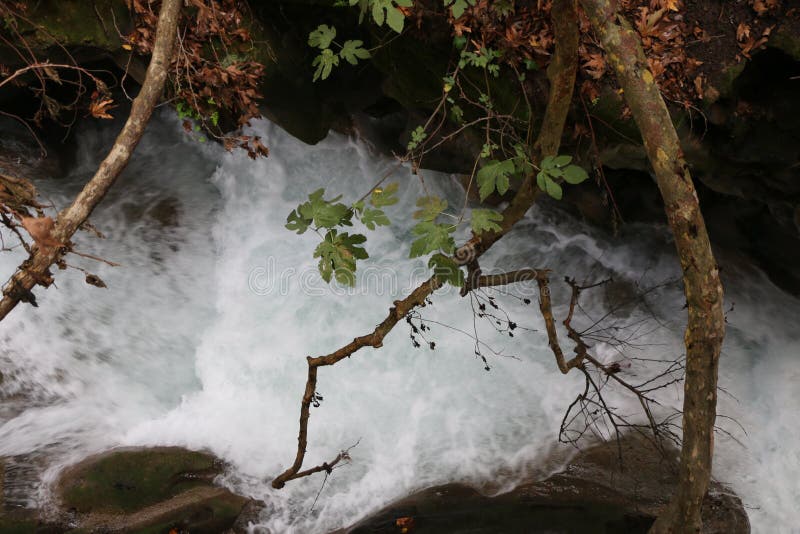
pixel 201 337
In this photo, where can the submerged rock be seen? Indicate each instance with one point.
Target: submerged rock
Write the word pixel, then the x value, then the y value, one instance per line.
pixel 595 492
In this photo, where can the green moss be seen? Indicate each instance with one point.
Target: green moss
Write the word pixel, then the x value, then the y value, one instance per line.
pixel 22 526
pixel 609 124
pixel 79 23
pixel 129 481
pixel 210 517
pixel 728 77
pixel 787 40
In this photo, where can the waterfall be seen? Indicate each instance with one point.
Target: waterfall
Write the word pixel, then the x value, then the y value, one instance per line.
pixel 201 337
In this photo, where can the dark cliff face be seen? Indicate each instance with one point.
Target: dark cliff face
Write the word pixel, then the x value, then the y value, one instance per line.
pixel 743 142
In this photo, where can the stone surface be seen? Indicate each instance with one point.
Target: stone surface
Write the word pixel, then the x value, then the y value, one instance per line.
pixel 595 492
pixel 147 490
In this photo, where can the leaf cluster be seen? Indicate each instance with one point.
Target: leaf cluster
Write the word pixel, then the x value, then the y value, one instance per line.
pixel 212 71
pixel 339 250
pixel 555 168
pixel 323 37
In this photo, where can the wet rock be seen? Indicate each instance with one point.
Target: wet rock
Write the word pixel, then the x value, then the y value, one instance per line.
pixel 248 517
pixel 147 490
pixel 14 518
pixel 166 212
pixel 22 157
pixel 595 492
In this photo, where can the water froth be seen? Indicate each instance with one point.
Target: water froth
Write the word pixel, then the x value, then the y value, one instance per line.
pixel 201 338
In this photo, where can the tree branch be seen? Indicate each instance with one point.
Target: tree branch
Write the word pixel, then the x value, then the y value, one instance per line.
pixel 561 74
pixel 562 80
pixel 35 270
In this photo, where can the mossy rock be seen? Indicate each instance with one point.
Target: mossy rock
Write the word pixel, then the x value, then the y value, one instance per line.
pixel 787 39
pixel 124 481
pixel 73 23
pixel 18 526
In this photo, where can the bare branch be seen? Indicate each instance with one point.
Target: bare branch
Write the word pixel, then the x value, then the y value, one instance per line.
pixel 35 270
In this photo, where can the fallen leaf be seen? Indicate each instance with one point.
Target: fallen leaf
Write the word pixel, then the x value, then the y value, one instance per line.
pixel 94 280
pixel 698 86
pixel 742 32
pixel 595 65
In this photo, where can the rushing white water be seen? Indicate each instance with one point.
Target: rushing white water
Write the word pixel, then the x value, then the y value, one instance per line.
pixel 201 337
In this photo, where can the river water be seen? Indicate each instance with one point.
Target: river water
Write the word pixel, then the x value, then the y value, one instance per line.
pixel 201 337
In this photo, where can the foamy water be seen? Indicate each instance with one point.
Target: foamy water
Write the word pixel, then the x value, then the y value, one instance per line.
pixel 201 337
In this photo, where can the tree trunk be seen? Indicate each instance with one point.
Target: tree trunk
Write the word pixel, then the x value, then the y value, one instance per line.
pixel 706 325
pixel 35 270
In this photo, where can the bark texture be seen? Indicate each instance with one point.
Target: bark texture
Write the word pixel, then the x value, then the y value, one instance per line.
pixel 705 328
pixel 35 270
pixel 562 80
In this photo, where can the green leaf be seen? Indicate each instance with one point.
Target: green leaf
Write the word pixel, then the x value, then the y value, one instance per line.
pixel 352 51
pixel 541 180
pixel 431 207
pixel 432 237
pixel 446 270
pixel 487 149
pixel 324 62
pixel 322 36
pixel 384 196
pixel 377 12
pixel 574 174
pixel 494 176
pixel 374 217
pixel 297 223
pixel 323 213
pixel 338 254
pixel 560 161
pixel 395 19
pixel 457 113
pixel 418 135
pixel 522 162
pixel 553 189
pixel 459 6
pixel 485 220
pixel 548 163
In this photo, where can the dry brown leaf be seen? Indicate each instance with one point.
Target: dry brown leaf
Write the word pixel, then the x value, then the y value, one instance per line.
pixel 94 280
pixel 742 32
pixel 40 229
pixel 99 108
pixel 595 65
pixel 698 86
pixel 52 74
pixel 405 524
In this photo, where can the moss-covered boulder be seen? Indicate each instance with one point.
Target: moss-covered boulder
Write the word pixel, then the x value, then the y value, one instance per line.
pixel 148 490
